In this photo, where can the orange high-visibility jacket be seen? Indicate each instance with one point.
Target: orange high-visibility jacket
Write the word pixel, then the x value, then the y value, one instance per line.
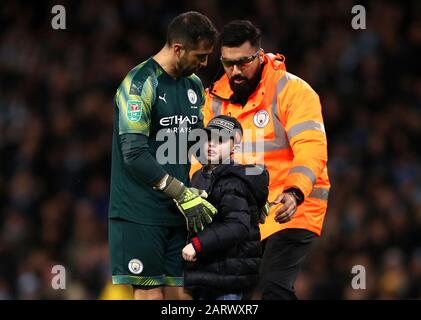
pixel 283 128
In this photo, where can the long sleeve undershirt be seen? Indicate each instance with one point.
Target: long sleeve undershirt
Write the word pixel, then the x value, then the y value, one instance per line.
pixel 139 160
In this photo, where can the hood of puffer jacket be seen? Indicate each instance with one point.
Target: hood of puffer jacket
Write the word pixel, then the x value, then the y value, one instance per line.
pixel 256 178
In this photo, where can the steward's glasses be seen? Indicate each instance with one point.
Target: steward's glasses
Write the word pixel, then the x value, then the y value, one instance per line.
pixel 240 63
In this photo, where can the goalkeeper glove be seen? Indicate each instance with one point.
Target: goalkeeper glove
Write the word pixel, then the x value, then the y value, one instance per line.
pixel 197 211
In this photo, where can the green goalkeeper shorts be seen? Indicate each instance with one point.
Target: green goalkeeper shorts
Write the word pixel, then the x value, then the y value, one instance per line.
pixel 146 255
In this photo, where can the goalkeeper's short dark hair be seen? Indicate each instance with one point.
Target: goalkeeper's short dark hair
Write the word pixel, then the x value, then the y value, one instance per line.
pixel 190 28
pixel 237 32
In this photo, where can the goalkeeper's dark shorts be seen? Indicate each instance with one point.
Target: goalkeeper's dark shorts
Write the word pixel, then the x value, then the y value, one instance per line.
pixel 146 255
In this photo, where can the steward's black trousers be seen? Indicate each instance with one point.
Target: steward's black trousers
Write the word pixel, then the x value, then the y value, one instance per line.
pixel 284 251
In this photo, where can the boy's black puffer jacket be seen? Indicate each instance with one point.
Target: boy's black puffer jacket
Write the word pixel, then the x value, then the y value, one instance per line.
pixel 230 246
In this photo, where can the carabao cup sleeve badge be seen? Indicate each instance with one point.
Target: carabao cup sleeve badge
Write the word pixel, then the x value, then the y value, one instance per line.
pixel 134 110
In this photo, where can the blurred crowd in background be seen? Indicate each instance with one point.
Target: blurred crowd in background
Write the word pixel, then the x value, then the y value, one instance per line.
pixel 56 111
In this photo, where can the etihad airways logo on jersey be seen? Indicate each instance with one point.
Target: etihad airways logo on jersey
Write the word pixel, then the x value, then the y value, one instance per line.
pixel 178 120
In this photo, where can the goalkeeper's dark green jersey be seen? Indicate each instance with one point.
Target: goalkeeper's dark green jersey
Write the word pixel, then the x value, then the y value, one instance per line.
pixel 152 103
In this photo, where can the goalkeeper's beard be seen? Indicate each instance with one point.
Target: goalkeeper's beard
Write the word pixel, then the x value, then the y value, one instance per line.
pixel 183 68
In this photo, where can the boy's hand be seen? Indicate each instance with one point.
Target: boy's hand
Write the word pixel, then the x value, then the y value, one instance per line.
pixel 199 192
pixel 189 254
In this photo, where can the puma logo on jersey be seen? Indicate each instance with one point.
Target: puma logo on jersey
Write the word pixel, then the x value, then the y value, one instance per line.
pixel 163 98
pixel 136 88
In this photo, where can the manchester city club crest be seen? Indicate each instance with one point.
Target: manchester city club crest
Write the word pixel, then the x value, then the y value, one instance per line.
pixel 135 266
pixel 192 96
pixel 261 118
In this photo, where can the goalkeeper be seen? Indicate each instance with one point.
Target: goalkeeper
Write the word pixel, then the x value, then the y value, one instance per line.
pixel 150 203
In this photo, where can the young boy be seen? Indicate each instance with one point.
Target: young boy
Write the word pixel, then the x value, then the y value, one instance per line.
pixel 223 260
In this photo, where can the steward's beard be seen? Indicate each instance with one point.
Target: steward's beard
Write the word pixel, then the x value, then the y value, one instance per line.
pixel 243 91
